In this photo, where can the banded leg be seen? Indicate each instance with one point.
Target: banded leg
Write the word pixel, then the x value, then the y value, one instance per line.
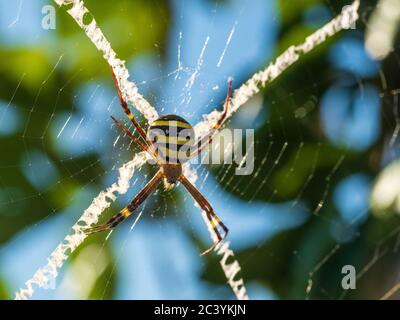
pixel 211 216
pixel 128 112
pixel 138 142
pixel 206 141
pixel 133 205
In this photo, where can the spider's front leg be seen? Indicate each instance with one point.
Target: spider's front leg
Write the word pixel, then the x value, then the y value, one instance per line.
pixel 146 143
pixel 211 216
pixel 133 205
pixel 138 142
pixel 145 147
pixel 206 141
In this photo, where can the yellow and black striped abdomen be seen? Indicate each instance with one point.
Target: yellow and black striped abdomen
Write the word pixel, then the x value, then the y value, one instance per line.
pixel 173 138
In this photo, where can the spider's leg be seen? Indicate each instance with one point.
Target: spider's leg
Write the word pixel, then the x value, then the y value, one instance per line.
pixel 113 222
pixel 128 112
pixel 206 140
pixel 138 142
pixel 211 216
pixel 133 205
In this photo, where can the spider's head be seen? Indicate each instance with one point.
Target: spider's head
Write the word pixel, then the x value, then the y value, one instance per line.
pixel 172 172
pixel 173 138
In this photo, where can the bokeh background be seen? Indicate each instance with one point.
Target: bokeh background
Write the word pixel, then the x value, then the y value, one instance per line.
pixel 325 192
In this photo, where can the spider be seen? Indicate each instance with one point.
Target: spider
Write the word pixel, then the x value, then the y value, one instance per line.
pixel 170 142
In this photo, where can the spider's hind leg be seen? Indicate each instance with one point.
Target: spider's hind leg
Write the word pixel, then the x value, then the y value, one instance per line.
pixel 110 224
pixel 211 216
pixel 126 212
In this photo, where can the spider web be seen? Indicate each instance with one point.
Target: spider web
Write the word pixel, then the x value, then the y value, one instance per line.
pixel 79 151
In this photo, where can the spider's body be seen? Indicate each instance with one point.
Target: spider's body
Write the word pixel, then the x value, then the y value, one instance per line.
pixel 170 140
pixel 173 138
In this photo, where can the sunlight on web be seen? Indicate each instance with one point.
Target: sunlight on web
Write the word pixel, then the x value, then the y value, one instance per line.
pixel 345 20
pixel 89 217
pixel 259 80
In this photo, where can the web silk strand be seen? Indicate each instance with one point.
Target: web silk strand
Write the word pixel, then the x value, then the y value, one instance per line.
pixel 250 88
